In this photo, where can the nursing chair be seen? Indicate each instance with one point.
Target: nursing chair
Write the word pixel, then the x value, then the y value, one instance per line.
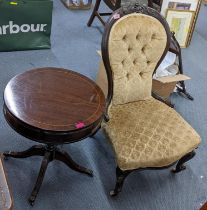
pixel 145 133
pixel 156 4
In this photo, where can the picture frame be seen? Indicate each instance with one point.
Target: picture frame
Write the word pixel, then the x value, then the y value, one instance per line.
pixel 179 5
pixel 180 21
pixel 194 21
pixel 77 4
pixel 190 5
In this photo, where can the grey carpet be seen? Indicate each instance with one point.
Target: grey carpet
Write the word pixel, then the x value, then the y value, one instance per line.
pixel 74 47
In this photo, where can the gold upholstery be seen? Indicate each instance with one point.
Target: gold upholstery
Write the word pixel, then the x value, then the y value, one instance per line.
pixel 144 132
pixel 148 134
pixel 134 52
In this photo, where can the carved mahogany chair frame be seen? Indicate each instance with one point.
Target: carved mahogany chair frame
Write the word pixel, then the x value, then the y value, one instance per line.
pixel 122 174
pixel 174 45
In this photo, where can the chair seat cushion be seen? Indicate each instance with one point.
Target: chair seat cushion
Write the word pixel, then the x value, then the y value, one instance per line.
pixel 148 134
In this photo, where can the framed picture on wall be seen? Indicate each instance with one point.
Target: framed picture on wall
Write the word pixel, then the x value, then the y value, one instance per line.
pixel 180 21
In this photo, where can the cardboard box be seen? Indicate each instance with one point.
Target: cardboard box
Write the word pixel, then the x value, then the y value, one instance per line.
pixel 162 86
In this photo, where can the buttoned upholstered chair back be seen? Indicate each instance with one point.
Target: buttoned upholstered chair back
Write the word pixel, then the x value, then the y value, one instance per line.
pixel 133 46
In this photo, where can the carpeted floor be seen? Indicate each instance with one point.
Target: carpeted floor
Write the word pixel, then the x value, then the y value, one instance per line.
pixel 74 47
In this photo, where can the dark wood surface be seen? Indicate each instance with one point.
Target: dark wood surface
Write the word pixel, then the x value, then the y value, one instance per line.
pixel 204 207
pixel 52 106
pixel 54 99
pixel 42 102
pixel 6 201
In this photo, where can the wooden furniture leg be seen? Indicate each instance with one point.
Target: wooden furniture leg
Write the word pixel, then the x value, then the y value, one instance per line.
pixel 120 177
pixel 182 89
pixel 40 178
pixel 6 199
pixel 180 165
pixel 50 153
pixel 95 14
pixel 177 50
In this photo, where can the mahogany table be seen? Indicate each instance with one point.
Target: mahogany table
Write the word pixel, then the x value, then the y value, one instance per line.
pixel 52 106
pixel 204 207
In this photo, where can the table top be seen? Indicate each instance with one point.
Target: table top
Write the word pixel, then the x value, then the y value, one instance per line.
pixel 54 99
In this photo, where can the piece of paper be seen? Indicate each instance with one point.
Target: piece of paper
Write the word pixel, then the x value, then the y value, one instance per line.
pixel 167 67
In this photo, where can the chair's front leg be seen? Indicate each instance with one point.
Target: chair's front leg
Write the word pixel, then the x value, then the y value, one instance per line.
pixel 120 177
pixel 180 165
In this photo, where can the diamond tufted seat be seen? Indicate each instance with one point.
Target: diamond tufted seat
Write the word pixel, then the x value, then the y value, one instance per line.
pixel 148 134
pixel 144 132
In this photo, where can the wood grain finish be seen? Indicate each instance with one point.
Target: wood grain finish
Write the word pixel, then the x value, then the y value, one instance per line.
pixel 54 99
pixel 204 207
pixel 52 106
pixel 46 104
pixel 6 202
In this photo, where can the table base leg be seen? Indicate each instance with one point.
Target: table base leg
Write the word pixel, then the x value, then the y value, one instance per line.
pixel 40 178
pixel 65 158
pixel 37 150
pixel 50 153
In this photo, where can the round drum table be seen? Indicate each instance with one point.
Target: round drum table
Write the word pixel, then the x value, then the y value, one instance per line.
pixel 52 106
